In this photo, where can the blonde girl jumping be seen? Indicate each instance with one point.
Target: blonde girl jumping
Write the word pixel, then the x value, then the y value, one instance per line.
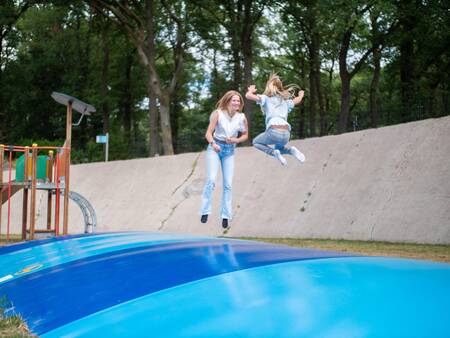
pixel 276 103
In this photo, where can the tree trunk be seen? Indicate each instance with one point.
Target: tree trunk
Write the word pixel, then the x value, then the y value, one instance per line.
pixel 174 116
pixel 407 78
pixel 163 95
pixel 235 32
pixel 149 56
pixel 445 100
pixel 247 52
pixel 301 123
pixel 315 89
pixel 345 103
pixel 312 100
pixel 314 68
pixel 83 52
pixel 237 76
pixel 320 98
pixel 234 12
pixel 328 96
pixel 166 132
pixel 346 76
pixel 105 76
pixel 12 18
pixel 429 108
pixel 249 105
pixel 374 85
pixel 322 110
pixel 374 88
pixel 215 78
pixel 345 82
pixel 144 39
pixel 407 69
pixel 2 104
pixel 153 123
pixel 127 102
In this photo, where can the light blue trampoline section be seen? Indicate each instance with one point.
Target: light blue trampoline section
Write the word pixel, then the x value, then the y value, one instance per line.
pixel 337 297
pixel 51 254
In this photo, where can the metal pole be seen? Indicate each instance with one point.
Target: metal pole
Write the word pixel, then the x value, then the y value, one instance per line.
pixel 33 190
pixel 11 149
pixel 26 181
pixel 57 195
pixel 67 167
pixel 107 147
pixel 49 193
pixel 2 154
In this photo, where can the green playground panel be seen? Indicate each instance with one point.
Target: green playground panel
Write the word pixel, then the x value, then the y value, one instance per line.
pixel 41 167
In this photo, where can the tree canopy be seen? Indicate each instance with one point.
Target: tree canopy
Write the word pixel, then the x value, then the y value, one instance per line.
pixel 154 69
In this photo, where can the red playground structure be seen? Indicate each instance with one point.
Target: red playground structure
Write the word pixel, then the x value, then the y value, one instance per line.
pixel 50 172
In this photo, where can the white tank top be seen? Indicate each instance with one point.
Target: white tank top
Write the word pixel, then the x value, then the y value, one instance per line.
pixel 228 126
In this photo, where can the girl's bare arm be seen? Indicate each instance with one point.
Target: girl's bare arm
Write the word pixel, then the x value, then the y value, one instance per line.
pixel 209 131
pixel 299 97
pixel 251 94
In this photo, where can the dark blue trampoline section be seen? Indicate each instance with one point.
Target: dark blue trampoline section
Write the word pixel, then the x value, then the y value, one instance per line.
pixel 55 296
pixel 31 244
pixel 366 297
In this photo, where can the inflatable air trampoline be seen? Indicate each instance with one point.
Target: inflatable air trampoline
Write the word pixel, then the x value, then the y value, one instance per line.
pixel 138 284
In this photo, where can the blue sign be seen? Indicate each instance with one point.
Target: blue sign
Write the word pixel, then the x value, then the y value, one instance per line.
pixel 102 139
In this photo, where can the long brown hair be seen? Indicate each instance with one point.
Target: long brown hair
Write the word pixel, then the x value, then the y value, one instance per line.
pixel 274 87
pixel 224 102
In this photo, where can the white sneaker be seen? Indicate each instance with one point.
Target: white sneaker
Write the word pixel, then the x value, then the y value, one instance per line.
pixel 298 154
pixel 279 157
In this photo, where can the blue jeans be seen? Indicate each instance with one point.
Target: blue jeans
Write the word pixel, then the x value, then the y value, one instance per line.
pixel 226 159
pixel 279 138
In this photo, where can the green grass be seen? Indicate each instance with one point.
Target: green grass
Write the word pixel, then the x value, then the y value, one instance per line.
pixel 12 239
pixel 12 326
pixel 438 253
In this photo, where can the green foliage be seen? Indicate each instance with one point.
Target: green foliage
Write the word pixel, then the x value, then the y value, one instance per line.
pixel 69 47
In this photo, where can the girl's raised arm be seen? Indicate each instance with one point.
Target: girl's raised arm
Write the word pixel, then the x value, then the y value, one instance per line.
pixel 299 97
pixel 251 94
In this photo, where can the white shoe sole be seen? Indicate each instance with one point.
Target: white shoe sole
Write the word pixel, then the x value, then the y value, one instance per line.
pixel 298 155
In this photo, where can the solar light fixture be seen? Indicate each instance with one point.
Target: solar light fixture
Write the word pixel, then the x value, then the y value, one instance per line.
pixel 78 105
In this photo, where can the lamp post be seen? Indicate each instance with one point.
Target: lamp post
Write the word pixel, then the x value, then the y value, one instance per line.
pixel 83 108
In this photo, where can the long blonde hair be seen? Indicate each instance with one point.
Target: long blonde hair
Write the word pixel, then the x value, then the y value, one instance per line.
pixel 274 87
pixel 224 102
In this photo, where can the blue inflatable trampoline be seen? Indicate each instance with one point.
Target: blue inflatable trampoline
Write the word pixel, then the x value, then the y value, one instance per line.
pixel 139 284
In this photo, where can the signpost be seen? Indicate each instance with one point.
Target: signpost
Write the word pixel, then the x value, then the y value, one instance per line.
pixel 104 139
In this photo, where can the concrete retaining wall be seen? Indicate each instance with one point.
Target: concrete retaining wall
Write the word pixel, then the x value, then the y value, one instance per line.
pixel 390 184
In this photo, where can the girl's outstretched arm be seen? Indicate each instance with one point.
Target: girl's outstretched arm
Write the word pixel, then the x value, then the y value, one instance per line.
pixel 251 94
pixel 299 97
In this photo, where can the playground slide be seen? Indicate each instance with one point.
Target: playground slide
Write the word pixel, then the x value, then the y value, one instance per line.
pixel 15 187
pixel 89 215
